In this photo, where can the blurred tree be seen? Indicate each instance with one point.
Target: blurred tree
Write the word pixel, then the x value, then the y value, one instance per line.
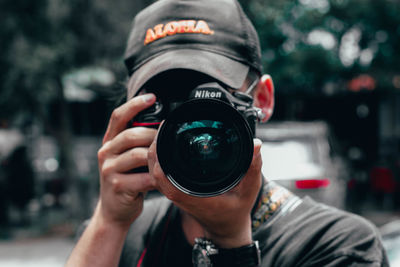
pixel 337 61
pixel 44 40
pixel 317 46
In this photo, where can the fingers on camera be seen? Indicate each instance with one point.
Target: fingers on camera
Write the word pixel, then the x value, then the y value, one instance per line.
pixel 123 114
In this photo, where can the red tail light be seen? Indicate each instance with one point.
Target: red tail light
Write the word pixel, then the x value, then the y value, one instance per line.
pixel 312 184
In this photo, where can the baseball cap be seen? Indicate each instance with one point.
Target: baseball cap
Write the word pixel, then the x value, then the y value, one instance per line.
pixel 214 37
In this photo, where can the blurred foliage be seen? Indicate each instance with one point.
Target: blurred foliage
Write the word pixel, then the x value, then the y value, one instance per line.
pixel 317 46
pixel 309 46
pixel 43 40
pixel 42 43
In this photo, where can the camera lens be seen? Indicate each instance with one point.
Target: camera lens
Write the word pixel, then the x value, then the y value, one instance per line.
pixel 205 147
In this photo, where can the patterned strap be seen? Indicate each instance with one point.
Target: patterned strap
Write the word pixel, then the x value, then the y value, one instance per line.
pixel 275 201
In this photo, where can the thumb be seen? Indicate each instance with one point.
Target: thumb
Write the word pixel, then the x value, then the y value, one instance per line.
pixel 257 146
pixel 256 163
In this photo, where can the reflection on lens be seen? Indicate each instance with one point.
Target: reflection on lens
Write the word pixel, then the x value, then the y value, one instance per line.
pixel 203 146
pixel 199 124
pixel 207 148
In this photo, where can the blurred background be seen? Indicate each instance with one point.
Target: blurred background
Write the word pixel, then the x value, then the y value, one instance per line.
pixel 335 65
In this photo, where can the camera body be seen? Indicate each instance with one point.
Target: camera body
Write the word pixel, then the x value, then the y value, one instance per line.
pixel 205 145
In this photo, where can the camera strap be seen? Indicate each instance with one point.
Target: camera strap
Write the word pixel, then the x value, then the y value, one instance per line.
pixel 275 201
pixel 171 212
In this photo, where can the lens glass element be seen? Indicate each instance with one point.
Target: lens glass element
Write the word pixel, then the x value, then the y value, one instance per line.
pixel 207 149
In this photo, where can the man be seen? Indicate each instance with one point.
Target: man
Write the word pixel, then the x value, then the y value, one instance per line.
pixel 173 47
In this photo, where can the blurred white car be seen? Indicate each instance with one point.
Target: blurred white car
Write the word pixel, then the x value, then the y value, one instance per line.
pixel 390 233
pixel 299 156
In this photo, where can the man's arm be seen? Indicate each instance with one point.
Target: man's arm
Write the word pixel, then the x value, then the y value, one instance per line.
pixel 121 192
pixel 100 244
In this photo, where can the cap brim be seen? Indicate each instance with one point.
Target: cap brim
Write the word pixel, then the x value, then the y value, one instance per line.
pixel 222 68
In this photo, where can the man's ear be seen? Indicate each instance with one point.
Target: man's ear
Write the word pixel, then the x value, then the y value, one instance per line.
pixel 264 96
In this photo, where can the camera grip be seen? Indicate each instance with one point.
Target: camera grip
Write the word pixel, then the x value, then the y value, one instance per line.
pixel 154 125
pixel 149 118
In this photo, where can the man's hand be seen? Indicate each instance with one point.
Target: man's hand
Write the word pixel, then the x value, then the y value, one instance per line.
pixel 225 219
pixel 121 193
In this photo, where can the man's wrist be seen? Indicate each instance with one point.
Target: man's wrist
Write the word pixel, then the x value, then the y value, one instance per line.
pixel 245 256
pixel 102 223
pixel 205 254
pixel 231 242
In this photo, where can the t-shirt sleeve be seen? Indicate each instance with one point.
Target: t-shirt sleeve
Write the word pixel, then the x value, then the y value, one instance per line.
pixel 318 235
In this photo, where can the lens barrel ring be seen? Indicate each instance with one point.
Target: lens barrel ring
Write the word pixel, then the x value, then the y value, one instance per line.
pixel 201 174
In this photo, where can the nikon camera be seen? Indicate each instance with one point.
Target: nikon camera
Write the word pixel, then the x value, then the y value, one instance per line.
pixel 205 145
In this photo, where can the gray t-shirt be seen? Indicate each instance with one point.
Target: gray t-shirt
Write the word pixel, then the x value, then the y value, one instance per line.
pixel 307 234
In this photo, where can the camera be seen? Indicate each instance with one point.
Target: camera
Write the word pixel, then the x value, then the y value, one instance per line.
pixel 205 145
